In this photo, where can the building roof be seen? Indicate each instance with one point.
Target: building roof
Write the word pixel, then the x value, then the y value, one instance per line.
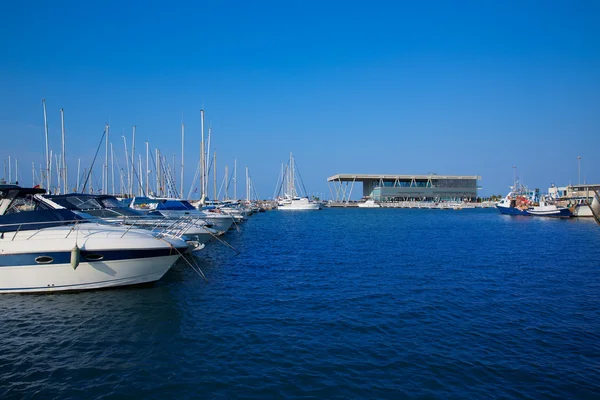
pixel 368 177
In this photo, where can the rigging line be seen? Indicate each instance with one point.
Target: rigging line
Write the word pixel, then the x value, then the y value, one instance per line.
pixel 301 181
pixel 93 161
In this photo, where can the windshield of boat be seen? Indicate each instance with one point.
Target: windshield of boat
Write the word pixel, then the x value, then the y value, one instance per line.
pixel 78 203
pixel 26 203
pixel 111 202
pixel 145 203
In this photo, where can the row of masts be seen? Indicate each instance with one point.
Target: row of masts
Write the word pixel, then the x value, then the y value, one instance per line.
pixel 131 180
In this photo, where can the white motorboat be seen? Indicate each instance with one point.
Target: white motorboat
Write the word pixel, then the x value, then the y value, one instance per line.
pixel 109 209
pixel 297 203
pixel 175 210
pixel 370 203
pixel 548 210
pixel 44 249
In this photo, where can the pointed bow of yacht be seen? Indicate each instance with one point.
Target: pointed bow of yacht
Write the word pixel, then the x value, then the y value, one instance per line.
pixel 90 257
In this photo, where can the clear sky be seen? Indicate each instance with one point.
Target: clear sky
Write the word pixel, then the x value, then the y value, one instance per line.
pixel 455 88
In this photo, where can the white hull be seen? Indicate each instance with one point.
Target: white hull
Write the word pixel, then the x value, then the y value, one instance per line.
pixel 94 275
pixel 220 222
pixel 595 207
pixel 41 260
pixel 368 204
pixel 299 205
pixel 582 210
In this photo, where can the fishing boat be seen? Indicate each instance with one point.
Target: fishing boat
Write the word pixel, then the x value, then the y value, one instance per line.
pixel 44 249
pixel 544 209
pixel 289 197
pixel 520 201
pixel 516 202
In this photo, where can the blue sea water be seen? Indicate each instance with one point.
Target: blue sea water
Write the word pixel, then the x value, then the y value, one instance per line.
pixel 340 303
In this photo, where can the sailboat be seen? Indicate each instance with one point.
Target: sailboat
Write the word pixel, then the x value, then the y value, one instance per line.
pixel 290 199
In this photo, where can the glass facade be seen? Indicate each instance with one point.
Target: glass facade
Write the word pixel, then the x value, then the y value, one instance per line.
pixel 434 189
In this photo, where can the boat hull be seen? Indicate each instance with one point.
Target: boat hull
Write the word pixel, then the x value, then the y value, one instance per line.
pixel 368 204
pixel 310 206
pixel 88 256
pixel 511 211
pixel 595 207
pixel 557 213
pixel 582 211
pixel 88 275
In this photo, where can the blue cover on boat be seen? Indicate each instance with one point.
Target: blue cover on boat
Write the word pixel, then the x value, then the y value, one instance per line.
pixel 37 219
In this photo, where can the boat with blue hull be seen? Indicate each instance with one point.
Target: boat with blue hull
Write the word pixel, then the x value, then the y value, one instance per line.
pixel 522 202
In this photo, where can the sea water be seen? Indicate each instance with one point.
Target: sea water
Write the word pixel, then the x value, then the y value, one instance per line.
pixel 339 303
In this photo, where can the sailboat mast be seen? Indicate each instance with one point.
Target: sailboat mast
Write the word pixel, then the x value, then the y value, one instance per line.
pixel 32 174
pixel 247 186
pixel 112 167
pixel 202 177
pixel 132 162
pixel 182 154
pixel 215 176
pixel 227 182
pixel 126 166
pixel 105 180
pixel 157 192
pixel 64 156
pixel 235 178
pixel 47 154
pixel 78 168
pixel 147 174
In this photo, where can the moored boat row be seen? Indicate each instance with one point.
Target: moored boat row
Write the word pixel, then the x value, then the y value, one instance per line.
pixel 79 242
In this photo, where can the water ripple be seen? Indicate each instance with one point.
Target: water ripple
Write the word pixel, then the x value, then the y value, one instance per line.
pixel 336 304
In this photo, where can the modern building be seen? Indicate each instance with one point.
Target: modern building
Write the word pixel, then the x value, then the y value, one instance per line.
pixel 393 188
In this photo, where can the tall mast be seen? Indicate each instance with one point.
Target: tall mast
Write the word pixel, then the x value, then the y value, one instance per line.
pixel 105 180
pixel 32 174
pixel 112 167
pixel 147 169
pixel 157 166
pixel 9 170
pixel 64 156
pixel 292 173
pixel 215 176
pixel 47 154
pixel 141 184
pixel 227 182
pixel 78 168
pixel 132 161
pixel 173 175
pixel 206 161
pixel 182 154
pixel 235 178
pixel 127 166
pixel 16 170
pixel 202 177
pixel 247 186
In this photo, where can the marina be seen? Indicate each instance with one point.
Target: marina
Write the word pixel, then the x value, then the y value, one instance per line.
pixel 285 200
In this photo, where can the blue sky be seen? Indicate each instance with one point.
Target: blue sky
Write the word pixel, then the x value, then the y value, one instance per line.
pixel 455 88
